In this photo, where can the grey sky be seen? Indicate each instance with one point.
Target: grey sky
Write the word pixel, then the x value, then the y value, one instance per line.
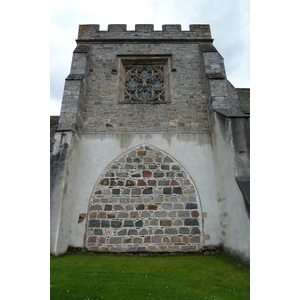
pixel 229 21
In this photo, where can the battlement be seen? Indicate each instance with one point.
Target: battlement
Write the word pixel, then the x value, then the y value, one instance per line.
pixel 119 32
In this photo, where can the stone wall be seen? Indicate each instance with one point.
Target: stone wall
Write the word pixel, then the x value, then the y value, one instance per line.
pixel 187 111
pixel 53 128
pixel 147 176
pixel 144 201
pixel 244 100
pixel 96 77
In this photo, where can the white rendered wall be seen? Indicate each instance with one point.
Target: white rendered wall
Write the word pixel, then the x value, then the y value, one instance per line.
pixel 96 151
pixel 234 219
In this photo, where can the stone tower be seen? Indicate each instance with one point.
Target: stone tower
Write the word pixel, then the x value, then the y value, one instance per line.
pixel 151 151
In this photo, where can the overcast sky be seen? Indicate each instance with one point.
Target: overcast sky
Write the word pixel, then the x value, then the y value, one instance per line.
pixel 229 21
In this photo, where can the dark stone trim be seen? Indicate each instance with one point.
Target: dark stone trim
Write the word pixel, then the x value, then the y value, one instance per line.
pixel 81 49
pixel 244 185
pixel 208 48
pixel 216 76
pixel 230 113
pixel 75 77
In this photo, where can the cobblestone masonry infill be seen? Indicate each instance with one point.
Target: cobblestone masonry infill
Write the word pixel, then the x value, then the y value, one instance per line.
pixel 144 201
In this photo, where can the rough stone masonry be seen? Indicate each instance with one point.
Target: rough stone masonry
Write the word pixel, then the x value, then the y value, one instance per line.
pixel 144 201
pixel 149 145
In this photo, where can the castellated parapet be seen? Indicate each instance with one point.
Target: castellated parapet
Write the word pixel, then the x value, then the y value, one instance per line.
pixel 146 155
pixel 144 31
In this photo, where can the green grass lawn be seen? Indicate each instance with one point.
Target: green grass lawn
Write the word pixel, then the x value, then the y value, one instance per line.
pixel 169 277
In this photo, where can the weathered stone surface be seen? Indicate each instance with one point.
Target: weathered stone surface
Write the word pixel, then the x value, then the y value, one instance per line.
pixel 127 240
pixel 167 190
pixel 142 153
pixel 152 207
pixel 158 174
pixel 195 230
pixel 148 191
pixel 191 222
pixel 163 182
pixel 93 215
pixel 96 207
pixel 94 223
pixel 191 206
pixel 108 207
pixel 178 206
pixel 137 240
pixel 136 191
pixel 128 223
pixel 101 215
pixel 165 223
pixel 195 214
pixel 129 182
pixel 115 240
pixel 177 190
pixel 141 182
pixel 104 181
pixel 160 213
pixel 167 206
pixel 140 207
pixel 134 214
pixel 184 230
pixel 118 207
pixel 92 239
pixel 156 239
pixel 158 231
pixel 143 232
pixel 174 182
pixel 176 239
pixel 122 232
pixel 116 224
pixel 171 231
pixel 147 173
pixel 146 214
pixel 98 232
pixel 183 214
pixel 105 223
pixel 151 182
pixel 139 223
pixel 132 232
pixel 195 239
pixel 122 215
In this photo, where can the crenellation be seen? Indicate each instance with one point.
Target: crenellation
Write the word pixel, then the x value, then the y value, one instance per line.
pixel 117 27
pixel 144 32
pixel 144 27
pixel 171 28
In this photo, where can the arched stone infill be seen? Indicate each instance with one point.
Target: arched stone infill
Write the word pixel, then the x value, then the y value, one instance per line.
pixel 144 201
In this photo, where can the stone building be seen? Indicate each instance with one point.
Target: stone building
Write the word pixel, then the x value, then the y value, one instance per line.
pixel 151 149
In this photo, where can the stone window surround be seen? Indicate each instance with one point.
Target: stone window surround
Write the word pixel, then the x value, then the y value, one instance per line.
pixel 146 60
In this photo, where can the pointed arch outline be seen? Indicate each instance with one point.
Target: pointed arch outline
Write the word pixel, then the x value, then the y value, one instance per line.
pixel 111 227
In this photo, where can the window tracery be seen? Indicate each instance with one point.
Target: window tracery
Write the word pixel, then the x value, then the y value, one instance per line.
pixel 144 83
